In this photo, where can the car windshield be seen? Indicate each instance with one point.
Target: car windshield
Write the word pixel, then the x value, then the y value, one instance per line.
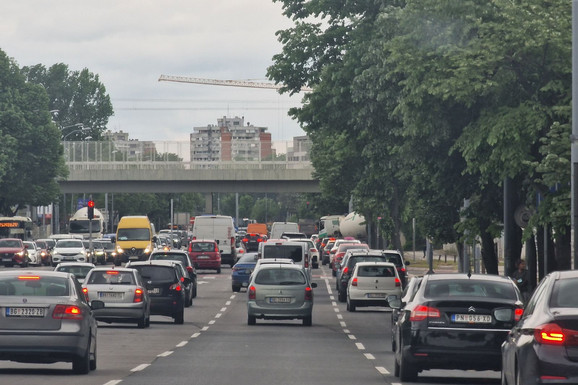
pixel 157 273
pixel 280 277
pixel 203 246
pixel 134 235
pixel 69 243
pixel 170 257
pixel 470 288
pixel 10 243
pixel 34 286
pixel 78 271
pixel 111 277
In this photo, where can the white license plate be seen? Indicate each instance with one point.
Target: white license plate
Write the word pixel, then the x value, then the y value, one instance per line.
pixel 375 295
pixel 25 312
pixel 156 290
pixel 279 299
pixel 203 257
pixel 105 294
pixel 472 318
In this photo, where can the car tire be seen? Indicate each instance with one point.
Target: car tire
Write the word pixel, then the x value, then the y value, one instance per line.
pixel 308 321
pixel 195 290
pixel 142 322
pixel 180 317
pixel 236 289
pixel 92 363
pixel 350 305
pixel 395 367
pixel 341 296
pixel 251 320
pixel 407 372
pixel 219 270
pixel 81 364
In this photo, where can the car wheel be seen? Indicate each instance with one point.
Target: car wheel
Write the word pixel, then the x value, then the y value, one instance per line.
pixel 236 289
pixel 350 305
pixel 81 364
pixel 180 317
pixel 142 322
pixel 92 364
pixel 189 300
pixel 407 372
pixel 195 290
pixel 308 321
pixel 341 296
pixel 395 367
pixel 219 270
pixel 251 320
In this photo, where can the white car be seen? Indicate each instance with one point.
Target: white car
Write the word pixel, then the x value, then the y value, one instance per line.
pixel 371 283
pixel 79 269
pixel 33 253
pixel 69 250
pixel 311 250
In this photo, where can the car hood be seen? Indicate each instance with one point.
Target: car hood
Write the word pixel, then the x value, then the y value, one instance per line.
pixel 68 250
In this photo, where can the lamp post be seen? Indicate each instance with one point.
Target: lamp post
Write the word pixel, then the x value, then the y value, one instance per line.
pixel 80 128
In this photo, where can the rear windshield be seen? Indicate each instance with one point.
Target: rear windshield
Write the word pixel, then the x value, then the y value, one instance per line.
pixel 78 271
pixel 170 257
pixel 203 246
pixel 393 258
pixel 292 252
pixel 564 293
pixel 343 248
pixel 34 286
pixel 376 271
pixel 470 288
pixel 113 277
pixel 365 258
pixel 280 277
pixel 157 273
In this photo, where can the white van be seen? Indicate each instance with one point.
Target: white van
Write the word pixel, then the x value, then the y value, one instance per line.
pixel 221 229
pixel 295 251
pixel 278 228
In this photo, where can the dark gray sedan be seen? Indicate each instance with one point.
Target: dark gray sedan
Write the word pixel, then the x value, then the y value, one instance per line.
pixel 45 318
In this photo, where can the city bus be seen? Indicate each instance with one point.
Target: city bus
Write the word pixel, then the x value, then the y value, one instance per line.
pixel 16 227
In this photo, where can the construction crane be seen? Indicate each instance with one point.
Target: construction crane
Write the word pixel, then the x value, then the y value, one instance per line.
pixel 229 83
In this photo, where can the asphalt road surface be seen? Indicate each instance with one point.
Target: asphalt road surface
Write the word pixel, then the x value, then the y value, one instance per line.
pixel 216 346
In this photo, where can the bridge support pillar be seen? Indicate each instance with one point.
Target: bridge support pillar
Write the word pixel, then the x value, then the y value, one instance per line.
pixel 209 203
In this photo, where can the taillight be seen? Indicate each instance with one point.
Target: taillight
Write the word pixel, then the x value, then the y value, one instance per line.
pixel 245 240
pixel 308 294
pixel 190 269
pixel 354 282
pixel 421 312
pixel 138 294
pixel 85 292
pixel 518 314
pixel 345 270
pixel 190 247
pixel 397 282
pixel 67 312
pixel 194 238
pixel 252 292
pixel 550 334
pixel 176 286
pixel 182 279
pixel 402 269
pixel 216 248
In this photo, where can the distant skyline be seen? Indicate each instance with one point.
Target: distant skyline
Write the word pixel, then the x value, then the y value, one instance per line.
pixel 130 43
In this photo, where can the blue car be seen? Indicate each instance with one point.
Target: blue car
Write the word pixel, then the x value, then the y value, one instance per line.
pixel 242 271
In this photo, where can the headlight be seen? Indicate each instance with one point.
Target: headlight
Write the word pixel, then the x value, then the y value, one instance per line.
pixel 119 250
pixel 148 249
pixel 20 253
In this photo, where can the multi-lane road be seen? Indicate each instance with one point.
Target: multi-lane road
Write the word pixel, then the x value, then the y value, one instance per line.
pixel 216 346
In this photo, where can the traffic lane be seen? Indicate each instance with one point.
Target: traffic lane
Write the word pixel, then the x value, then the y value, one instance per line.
pixel 270 352
pixel 123 347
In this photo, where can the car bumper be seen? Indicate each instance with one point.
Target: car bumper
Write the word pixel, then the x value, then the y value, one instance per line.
pixel 207 264
pixel 268 312
pixel 113 312
pixel 167 306
pixel 42 347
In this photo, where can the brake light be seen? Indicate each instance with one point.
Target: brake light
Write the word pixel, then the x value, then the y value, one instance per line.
pixel 216 248
pixel 194 238
pixel 308 294
pixel 112 272
pixel 397 282
pixel 518 314
pixel 345 270
pixel 554 334
pixel 421 312
pixel 85 292
pixel 402 269
pixel 259 240
pixel 354 282
pixel 190 269
pixel 176 286
pixel 252 292
pixel 138 294
pixel 67 312
pixel 245 240
pixel 28 277
pixel 182 279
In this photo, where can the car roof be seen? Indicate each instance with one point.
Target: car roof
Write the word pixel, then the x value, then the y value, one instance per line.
pixel 155 262
pixel 121 269
pixel 170 251
pixel 466 276
pixel 281 266
pixel 76 264
pixel 45 273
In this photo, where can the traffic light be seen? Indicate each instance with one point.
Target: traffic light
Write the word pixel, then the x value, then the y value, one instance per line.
pixel 90 206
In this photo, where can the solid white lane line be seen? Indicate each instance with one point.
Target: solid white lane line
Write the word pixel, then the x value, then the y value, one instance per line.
pixel 165 354
pixel 140 367
pixel 182 343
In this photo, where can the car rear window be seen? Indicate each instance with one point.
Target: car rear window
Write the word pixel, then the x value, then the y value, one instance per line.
pixel 375 271
pixel 203 246
pixel 353 260
pixel 564 293
pixel 280 277
pixel 470 288
pixel 292 252
pixel 393 258
pixel 78 271
pixel 157 273
pixel 170 257
pixel 34 286
pixel 112 277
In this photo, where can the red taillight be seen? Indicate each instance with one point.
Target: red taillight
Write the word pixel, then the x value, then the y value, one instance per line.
pixel 216 248
pixel 245 240
pixel 308 294
pixel 397 282
pixel 176 287
pixel 138 294
pixel 518 314
pixel 354 282
pixel 345 270
pixel 190 269
pixel 259 240
pixel 252 292
pixel 194 238
pixel 402 269
pixel 67 312
pixel 421 312
pixel 85 292
pixel 554 334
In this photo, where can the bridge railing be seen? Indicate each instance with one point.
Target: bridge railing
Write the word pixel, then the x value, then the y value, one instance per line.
pixel 132 155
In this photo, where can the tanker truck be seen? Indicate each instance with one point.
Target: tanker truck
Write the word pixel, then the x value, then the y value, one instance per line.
pixel 350 225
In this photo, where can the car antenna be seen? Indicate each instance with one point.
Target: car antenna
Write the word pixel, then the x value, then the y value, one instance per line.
pixel 470 273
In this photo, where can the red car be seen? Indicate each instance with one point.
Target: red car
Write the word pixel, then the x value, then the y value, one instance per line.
pixel 204 254
pixel 13 252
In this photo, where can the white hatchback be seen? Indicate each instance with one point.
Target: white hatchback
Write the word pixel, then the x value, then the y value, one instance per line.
pixel 371 283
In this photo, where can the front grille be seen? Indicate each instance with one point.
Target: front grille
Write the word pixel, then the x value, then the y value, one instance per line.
pixel 132 252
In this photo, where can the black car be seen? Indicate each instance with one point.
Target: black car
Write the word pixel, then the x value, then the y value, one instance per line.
pixel 165 284
pixel 251 241
pixel 190 272
pixel 455 321
pixel 348 264
pixel 406 297
pixel 543 346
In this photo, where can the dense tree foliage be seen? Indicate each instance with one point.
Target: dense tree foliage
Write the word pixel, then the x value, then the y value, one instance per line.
pixel 419 105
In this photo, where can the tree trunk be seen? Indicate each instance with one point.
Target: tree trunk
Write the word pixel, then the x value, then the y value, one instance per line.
pixel 489 256
pixel 563 251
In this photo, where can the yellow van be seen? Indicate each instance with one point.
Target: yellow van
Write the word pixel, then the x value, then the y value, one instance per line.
pixel 134 239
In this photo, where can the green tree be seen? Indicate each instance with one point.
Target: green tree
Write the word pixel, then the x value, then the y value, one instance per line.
pixel 31 155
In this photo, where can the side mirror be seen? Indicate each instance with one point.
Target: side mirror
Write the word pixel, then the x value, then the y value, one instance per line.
pixel 313 285
pixel 406 263
pixel 394 302
pixel 96 304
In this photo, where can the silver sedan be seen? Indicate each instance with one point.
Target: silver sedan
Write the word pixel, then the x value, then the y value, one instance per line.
pixel 44 318
pixel 280 291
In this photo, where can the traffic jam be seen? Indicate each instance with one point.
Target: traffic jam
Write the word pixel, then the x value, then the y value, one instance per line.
pixel 55 294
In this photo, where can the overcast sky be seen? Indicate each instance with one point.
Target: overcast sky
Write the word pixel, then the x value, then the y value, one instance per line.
pixel 130 43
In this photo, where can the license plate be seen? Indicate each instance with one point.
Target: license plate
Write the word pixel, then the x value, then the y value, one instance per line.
pixel 375 295
pixel 105 294
pixel 203 257
pixel 24 312
pixel 245 284
pixel 472 318
pixel 6 259
pixel 279 299
pixel 156 290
